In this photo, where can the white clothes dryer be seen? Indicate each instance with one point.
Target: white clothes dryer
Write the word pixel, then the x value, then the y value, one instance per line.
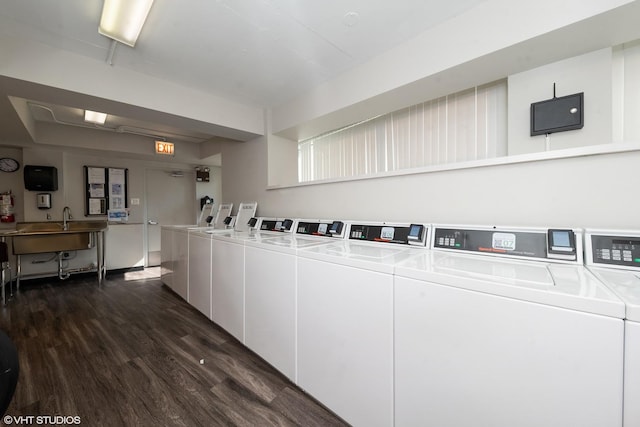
pixel 505 327
pixel 228 271
pixel 614 257
pixel 345 319
pixel 271 286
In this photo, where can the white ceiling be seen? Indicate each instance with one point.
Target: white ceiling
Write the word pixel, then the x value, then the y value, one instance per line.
pixel 257 52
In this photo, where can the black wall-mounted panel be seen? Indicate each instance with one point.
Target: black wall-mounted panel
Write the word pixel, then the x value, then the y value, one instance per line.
pixel 40 178
pixel 557 114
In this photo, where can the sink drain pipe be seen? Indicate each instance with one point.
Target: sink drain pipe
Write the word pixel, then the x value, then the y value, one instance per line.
pixel 65 274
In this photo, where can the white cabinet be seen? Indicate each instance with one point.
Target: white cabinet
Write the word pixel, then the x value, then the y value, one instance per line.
pixel 200 272
pixel 124 246
pixel 467 358
pixel 180 262
pixel 345 342
pixel 166 256
pixel 227 286
pixel 270 303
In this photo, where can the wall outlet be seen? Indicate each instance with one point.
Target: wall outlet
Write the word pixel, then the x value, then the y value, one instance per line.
pixel 135 201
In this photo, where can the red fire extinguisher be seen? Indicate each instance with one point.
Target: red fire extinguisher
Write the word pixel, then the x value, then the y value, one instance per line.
pixel 6 207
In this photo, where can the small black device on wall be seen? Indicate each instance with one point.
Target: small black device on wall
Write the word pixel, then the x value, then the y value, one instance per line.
pixel 557 114
pixel 202 174
pixel 40 178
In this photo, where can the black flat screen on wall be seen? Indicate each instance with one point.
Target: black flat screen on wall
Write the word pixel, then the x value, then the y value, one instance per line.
pixel 557 114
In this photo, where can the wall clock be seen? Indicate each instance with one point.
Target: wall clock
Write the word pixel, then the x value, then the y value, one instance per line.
pixel 8 164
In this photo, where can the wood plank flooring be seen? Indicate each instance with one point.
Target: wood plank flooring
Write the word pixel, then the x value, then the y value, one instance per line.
pixel 128 354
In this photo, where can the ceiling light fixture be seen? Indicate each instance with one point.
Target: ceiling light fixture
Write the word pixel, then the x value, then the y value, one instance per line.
pixel 122 20
pixel 94 117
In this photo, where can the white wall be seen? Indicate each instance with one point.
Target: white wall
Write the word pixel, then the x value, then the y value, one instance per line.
pixel 593 191
pixel 587 191
pixel 630 87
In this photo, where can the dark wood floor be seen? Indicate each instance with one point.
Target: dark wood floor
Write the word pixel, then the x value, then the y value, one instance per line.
pixel 128 354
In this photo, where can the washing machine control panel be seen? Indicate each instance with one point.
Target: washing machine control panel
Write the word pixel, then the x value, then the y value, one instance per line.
pixel 542 244
pixel 282 225
pixel 616 250
pixel 413 234
pixel 320 228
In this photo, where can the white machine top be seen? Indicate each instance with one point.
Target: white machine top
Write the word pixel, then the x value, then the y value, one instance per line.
pixel 526 275
pixel 626 285
pixel 614 257
pixel 373 246
pixel 240 237
pixel 305 234
pixel 181 227
pixel 360 254
pixel 286 243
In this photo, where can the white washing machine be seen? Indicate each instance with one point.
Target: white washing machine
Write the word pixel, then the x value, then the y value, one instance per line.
pixel 614 257
pixel 228 272
pixel 186 255
pixel 270 290
pixel 345 319
pixel 505 327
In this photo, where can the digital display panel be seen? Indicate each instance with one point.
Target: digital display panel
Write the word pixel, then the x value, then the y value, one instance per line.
pixel 387 233
pixel 415 232
pixel 561 238
pixel 561 243
pixel 336 227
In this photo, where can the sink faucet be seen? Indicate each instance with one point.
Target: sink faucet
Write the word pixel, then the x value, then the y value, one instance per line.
pixel 66 216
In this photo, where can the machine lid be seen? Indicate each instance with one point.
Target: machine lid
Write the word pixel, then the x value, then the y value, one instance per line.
pixel 560 285
pixel 521 274
pixel 287 243
pixel 626 284
pixel 360 254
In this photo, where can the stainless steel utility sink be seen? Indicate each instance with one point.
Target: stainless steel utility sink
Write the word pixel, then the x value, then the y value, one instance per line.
pixel 41 237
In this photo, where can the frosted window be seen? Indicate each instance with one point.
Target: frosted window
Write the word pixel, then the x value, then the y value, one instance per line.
pixel 464 126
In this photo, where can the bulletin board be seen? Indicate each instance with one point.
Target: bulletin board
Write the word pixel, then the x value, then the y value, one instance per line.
pixel 106 190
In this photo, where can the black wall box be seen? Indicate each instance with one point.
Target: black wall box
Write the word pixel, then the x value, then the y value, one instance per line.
pixel 40 178
pixel 557 114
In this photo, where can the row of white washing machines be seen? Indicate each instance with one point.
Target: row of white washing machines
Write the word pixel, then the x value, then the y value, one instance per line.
pixel 418 325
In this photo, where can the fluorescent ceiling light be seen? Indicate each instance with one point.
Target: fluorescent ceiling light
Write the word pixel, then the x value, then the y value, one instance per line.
pixel 94 117
pixel 122 20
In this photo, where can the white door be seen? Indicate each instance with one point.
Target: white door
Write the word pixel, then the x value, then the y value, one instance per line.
pixel 170 201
